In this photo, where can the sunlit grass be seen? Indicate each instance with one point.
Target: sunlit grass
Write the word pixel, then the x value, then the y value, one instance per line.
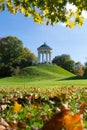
pixel 14 82
pixel 43 76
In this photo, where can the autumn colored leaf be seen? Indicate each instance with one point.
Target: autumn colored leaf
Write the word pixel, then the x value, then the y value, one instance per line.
pixel 83 105
pixel 64 119
pixel 72 24
pixel 28 115
pixel 22 10
pixel 17 125
pixel 3 107
pixel 17 107
pixel 21 125
pixel 4 125
pixel 35 109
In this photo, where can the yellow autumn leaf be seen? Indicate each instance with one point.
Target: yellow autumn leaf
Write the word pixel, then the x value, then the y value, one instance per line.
pixel 22 10
pixel 72 24
pixel 37 18
pixel 46 11
pixel 2 1
pixel 67 21
pixel 10 5
pixel 72 14
pixel 60 1
pixel 27 14
pixel 28 115
pixel 17 107
pixel 81 20
pixel 14 11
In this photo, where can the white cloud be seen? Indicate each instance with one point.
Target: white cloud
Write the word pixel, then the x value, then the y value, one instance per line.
pixel 63 24
pixel 71 6
pixel 84 14
pixel 74 8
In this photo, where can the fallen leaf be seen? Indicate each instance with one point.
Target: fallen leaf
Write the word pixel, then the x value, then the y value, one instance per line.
pixel 2 127
pixel 66 120
pixel 3 122
pixel 3 107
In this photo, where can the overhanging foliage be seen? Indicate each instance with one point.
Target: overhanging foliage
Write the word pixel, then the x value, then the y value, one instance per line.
pixel 50 11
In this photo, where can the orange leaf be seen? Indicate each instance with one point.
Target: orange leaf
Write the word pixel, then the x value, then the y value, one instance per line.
pixel 65 120
pixel 83 105
pixel 73 122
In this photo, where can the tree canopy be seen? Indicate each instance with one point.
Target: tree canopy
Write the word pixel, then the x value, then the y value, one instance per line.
pixel 13 56
pixel 64 61
pixel 50 11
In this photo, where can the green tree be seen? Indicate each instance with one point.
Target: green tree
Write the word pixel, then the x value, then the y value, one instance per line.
pixel 70 66
pixel 61 59
pixel 85 70
pixel 28 58
pixel 51 11
pixel 12 55
pixel 65 62
pixel 11 50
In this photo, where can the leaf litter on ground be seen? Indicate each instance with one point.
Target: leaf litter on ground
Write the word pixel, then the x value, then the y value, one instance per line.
pixel 34 109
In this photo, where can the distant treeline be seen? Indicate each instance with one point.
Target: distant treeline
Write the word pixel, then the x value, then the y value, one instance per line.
pixel 67 63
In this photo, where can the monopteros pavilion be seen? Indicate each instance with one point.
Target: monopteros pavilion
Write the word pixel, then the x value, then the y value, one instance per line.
pixel 44 54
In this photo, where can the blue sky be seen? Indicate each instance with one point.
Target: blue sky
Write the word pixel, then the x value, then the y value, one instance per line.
pixel 63 40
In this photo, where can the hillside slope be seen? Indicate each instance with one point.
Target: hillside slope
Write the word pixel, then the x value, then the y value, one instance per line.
pixel 42 75
pixel 44 71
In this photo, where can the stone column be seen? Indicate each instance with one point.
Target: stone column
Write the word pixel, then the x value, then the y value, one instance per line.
pixel 50 57
pixel 42 57
pixel 38 57
pixel 46 57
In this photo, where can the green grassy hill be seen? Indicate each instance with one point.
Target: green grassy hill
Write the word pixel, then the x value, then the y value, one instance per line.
pixel 38 75
pixel 44 71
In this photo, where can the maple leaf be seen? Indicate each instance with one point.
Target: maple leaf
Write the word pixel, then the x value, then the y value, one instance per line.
pixel 73 122
pixel 65 120
pixel 56 122
pixel 17 107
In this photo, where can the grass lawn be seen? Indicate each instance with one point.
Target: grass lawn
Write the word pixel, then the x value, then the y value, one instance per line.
pixel 14 82
pixel 34 95
pixel 43 76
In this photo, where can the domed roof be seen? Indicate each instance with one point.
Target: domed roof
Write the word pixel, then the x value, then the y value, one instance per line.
pixel 44 46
